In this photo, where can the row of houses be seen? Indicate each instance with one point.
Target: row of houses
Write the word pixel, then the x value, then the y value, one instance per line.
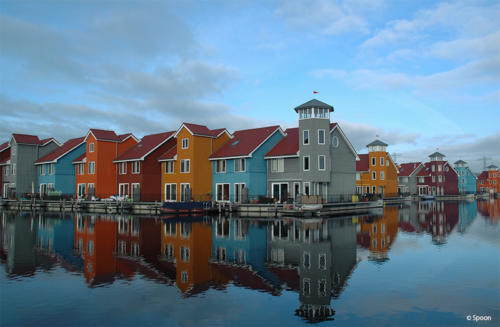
pixel 315 159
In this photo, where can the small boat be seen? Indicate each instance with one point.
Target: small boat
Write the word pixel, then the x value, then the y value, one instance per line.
pixel 427 197
pixel 185 207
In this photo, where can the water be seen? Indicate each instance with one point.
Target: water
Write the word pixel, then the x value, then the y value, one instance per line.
pixel 425 264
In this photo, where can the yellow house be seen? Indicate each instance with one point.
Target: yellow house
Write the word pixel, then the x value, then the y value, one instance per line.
pixel 376 172
pixel 186 170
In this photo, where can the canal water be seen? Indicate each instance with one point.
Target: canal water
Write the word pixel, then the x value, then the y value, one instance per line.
pixel 419 264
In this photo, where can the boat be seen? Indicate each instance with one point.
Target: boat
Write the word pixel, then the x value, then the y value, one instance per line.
pixel 427 197
pixel 185 207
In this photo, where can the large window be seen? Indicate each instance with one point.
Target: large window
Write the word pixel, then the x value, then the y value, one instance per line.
pixel 91 147
pixel 91 168
pixel 185 255
pixel 42 169
pixel 184 165
pixel 239 164
pixel 123 190
pixel 321 136
pixel 51 169
pixel 306 163
pixel 169 167
pixel 170 192
pixel 122 168
pixel 238 188
pixel 220 166
pixel 184 189
pixel 136 167
pixel 222 192
pixel 277 165
pixel 305 137
pixel 321 162
pixel 81 168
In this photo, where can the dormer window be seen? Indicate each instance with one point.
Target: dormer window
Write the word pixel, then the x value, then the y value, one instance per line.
pixel 185 143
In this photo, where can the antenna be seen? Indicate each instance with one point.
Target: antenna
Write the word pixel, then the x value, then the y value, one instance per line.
pixel 484 159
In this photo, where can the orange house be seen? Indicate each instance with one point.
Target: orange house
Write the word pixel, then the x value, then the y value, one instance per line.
pixel 379 235
pixel 189 246
pixel 186 168
pixel 376 172
pixel 95 171
pixel 489 180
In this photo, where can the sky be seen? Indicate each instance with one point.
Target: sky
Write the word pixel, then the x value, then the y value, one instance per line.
pixel 419 75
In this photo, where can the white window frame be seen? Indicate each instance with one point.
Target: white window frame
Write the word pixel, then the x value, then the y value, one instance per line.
pixel 91 186
pixel 122 187
pixel 220 166
pixel 381 161
pixel 133 186
pixel 382 175
pixel 174 198
pixel 324 162
pixel 122 168
pixel 185 143
pixel 91 147
pixel 238 188
pixel 374 175
pixel 42 186
pixel 335 141
pixel 182 190
pixel 319 261
pixel 324 136
pixel 278 165
pixel 304 138
pixel 81 169
pixel 185 276
pixel 307 185
pixel 223 195
pixel 42 170
pixel 84 188
pixel 52 169
pixel 136 167
pixel 183 166
pixel 374 161
pixel 306 281
pixel 169 167
pixel 91 165
pixel 304 163
pixel 14 169
pixel 241 162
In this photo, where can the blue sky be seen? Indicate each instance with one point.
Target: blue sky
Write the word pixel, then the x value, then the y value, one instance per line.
pixel 420 74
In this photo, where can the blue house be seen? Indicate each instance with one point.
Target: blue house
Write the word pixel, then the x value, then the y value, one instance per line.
pixel 56 171
pixel 240 164
pixel 466 179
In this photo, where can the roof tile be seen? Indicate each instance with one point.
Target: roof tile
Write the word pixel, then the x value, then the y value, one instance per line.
pixel 363 164
pixel 59 152
pixel 147 144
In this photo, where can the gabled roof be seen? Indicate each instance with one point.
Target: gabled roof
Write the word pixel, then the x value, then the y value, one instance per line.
pixel 334 126
pixel 245 142
pixel 492 167
pixel 61 151
pixel 4 146
pixel 202 130
pixel 363 164
pixel 437 154
pixel 145 147
pixel 47 141
pixel 105 135
pixel 314 104
pixel 80 159
pixel 377 142
pixel 426 171
pixel 460 162
pixel 406 169
pixel 26 139
pixel 169 154
pixel 287 146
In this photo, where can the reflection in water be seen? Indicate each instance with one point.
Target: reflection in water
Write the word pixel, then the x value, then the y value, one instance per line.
pixel 311 257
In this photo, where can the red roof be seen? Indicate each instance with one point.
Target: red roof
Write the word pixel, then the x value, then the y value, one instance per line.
pixel 408 168
pixel 145 146
pixel 483 175
pixel 289 276
pixel 59 152
pixel 244 142
pixel 241 276
pixel 169 154
pixel 288 146
pixel 105 135
pixel 80 158
pixel 4 146
pixel 4 160
pixel 45 141
pixel 203 130
pixel 425 171
pixel 363 164
pixel 26 139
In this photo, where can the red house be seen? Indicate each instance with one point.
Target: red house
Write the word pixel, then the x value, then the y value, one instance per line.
pixel 4 167
pixel 489 181
pixel 437 177
pixel 139 171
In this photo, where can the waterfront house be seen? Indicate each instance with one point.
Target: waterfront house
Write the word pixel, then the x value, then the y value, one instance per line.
pixel 186 170
pixel 467 181
pixel 95 171
pixel 437 177
pixel 139 171
pixel 489 180
pixel 4 168
pixel 314 159
pixel 55 170
pixel 24 151
pixel 376 172
pixel 240 164
pixel 407 177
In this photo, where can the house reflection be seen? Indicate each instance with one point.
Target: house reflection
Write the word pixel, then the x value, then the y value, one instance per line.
pixel 314 257
pixel 378 233
pixel 467 212
pixel 489 209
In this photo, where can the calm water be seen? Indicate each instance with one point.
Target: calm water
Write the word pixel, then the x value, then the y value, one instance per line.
pixel 431 263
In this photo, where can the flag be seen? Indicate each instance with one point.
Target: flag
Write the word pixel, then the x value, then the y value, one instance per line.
pixel 315 92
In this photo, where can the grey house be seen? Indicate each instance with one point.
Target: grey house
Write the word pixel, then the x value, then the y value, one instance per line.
pixel 24 151
pixel 314 159
pixel 407 177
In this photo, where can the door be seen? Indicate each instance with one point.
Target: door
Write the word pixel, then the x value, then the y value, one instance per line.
pixel 284 192
pixel 296 189
pixel 276 191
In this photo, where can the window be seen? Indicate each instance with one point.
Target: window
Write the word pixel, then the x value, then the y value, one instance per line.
pixel 239 164
pixel 433 168
pixel 374 161
pixel 306 163
pixel 222 192
pixel 14 168
pixel 185 166
pixel 13 150
pixel 374 175
pixel 358 176
pixel 305 137
pixel 220 166
pixel 136 167
pixel 169 167
pixel 123 190
pixel 278 165
pixel 50 187
pixel 136 191
pixel 81 190
pixel 91 168
pixel 122 168
pixel 307 260
pixel 382 175
pixel 90 247
pixel 170 192
pixel 306 288
pixel 440 168
pixel 335 142
pixel 322 287
pixel 307 188
pixel 185 254
pixel 170 229
pixel 321 136
pixel 433 178
pixel 185 143
pixel 322 261
pixel 184 277
pixel 387 163
pixel 91 147
pixel 169 251
pixel 184 189
pixel 42 169
pixel 321 162
pixel 381 161
pixel 51 169
pixel 135 249
pixel 238 188
pixel 81 168
pixel 440 179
